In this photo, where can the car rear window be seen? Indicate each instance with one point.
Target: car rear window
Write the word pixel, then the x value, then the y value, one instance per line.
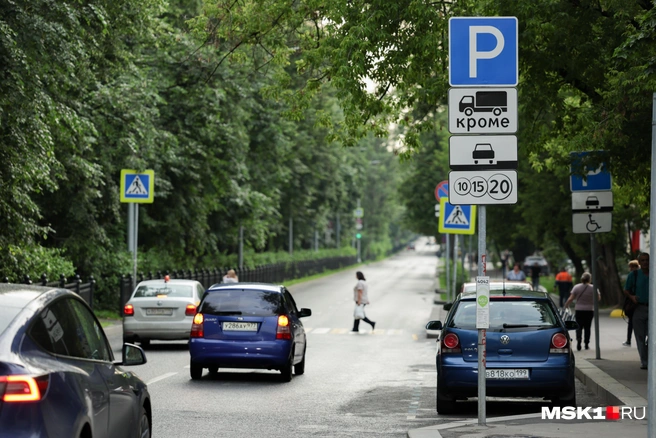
pixel 507 315
pixel 242 302
pixel 171 290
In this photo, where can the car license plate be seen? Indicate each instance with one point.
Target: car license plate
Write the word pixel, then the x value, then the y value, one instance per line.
pixel 507 374
pixel 240 326
pixel 166 312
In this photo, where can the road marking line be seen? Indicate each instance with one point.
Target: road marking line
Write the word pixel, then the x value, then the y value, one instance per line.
pixel 339 331
pixel 162 377
pixel 321 331
pixel 414 337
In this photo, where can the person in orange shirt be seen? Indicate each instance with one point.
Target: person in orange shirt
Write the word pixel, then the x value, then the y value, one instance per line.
pixel 564 285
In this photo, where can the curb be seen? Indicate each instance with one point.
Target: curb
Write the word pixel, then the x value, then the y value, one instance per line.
pixel 606 387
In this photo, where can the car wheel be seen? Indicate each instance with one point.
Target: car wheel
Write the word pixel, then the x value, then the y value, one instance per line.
pixel 144 424
pixel 444 405
pixel 145 343
pixel 286 371
pixel 568 399
pixel 299 368
pixel 213 369
pixel 195 371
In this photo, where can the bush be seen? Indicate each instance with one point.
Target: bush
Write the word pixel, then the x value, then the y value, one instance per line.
pixel 34 260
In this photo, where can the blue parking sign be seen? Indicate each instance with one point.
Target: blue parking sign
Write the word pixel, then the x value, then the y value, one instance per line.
pixel 589 177
pixel 483 51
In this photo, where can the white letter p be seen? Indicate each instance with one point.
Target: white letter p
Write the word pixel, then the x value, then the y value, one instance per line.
pixel 474 54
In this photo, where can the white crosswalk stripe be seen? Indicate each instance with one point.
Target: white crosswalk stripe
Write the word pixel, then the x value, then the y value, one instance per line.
pixel 344 331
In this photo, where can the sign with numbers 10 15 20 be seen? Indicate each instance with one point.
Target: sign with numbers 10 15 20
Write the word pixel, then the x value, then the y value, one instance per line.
pixel 483 187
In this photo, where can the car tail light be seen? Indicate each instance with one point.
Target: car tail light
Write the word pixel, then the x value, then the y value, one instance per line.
pixel 128 310
pixel 190 310
pixel 559 344
pixel 451 344
pixel 284 330
pixel 23 388
pixel 197 326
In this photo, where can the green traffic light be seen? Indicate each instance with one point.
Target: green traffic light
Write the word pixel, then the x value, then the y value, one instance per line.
pixel 358 236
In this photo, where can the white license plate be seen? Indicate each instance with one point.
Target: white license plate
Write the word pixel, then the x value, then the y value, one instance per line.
pixel 240 326
pixel 159 312
pixel 507 374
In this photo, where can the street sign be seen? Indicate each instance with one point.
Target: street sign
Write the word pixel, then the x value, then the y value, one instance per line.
pixel 595 178
pixel 484 187
pixel 483 51
pixel 358 212
pixel 592 202
pixel 586 223
pixel 358 223
pixel 442 190
pixel 437 210
pixel 482 110
pixel 482 302
pixel 456 219
pixel 483 152
pixel 137 187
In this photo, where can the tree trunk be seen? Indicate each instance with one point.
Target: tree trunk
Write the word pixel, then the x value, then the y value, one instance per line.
pixel 608 280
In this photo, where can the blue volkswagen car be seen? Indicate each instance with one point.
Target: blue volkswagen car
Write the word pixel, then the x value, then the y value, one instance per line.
pixel 248 325
pixel 58 377
pixel 529 351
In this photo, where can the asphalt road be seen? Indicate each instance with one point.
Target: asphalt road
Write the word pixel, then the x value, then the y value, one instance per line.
pixel 378 384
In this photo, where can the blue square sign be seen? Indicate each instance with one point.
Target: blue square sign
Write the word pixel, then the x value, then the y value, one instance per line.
pixel 483 51
pixel 589 177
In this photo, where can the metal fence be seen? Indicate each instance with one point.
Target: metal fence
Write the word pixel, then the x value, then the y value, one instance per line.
pixel 85 290
pixel 273 273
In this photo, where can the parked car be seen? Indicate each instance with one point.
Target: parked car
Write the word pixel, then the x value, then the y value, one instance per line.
pixel 58 377
pixel 248 325
pixel 161 309
pixel 528 350
pixel 532 260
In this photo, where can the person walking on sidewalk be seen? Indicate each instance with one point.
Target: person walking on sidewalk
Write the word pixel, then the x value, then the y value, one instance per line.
pixel 516 274
pixel 634 265
pixel 640 284
pixel 583 294
pixel 361 297
pixel 535 275
pixel 564 285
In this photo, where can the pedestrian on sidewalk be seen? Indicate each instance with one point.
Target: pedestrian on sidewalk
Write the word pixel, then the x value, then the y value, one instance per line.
pixel 535 275
pixel 583 294
pixel 231 277
pixel 640 284
pixel 634 265
pixel 361 297
pixel 564 285
pixel 516 274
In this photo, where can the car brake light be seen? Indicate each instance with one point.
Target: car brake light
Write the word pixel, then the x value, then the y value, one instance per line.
pixel 451 344
pixel 284 330
pixel 23 388
pixel 190 310
pixel 197 326
pixel 128 310
pixel 559 344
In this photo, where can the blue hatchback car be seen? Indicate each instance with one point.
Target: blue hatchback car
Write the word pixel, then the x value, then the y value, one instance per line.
pixel 248 325
pixel 528 350
pixel 58 377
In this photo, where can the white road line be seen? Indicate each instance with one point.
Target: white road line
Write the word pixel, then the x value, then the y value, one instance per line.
pixel 321 331
pixel 162 377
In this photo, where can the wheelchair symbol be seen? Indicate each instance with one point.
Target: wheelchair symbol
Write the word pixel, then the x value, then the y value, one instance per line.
pixel 592 225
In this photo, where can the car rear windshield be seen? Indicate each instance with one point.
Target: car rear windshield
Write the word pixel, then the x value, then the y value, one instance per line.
pixel 171 290
pixel 249 302
pixel 507 315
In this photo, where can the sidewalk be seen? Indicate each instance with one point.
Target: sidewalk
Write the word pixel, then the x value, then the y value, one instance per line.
pixel 616 378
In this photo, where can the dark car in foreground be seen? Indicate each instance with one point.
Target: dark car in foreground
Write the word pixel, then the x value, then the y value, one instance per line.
pixel 528 350
pixel 248 325
pixel 58 377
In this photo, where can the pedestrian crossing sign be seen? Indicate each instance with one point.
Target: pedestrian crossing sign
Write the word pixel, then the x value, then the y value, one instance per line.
pixel 456 219
pixel 138 187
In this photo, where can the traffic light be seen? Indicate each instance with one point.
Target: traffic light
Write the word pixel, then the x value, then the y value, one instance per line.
pixel 358 236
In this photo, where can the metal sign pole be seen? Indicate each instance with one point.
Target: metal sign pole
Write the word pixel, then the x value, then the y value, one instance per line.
pixel 454 279
pixel 446 269
pixel 593 260
pixel 482 333
pixel 652 283
pixel 241 247
pixel 135 240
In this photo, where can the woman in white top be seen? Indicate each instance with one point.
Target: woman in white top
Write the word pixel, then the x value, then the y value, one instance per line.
pixel 361 296
pixel 231 277
pixel 584 294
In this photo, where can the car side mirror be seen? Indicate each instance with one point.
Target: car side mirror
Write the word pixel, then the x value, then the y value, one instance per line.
pixel 434 325
pixel 132 355
pixel 571 325
pixel 304 312
pixel 447 306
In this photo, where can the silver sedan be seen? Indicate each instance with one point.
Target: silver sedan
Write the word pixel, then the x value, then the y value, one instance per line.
pixel 161 309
